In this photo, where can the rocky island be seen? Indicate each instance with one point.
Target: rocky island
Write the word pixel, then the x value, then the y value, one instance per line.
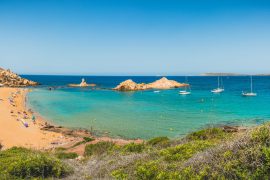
pixel 82 84
pixel 10 79
pixel 162 83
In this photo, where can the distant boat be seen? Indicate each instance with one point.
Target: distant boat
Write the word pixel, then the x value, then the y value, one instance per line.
pixel 187 90
pixel 251 93
pixel 156 91
pixel 219 89
pixel 184 92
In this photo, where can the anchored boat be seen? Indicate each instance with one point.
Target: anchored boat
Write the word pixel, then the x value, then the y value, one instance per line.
pixel 219 89
pixel 187 90
pixel 251 93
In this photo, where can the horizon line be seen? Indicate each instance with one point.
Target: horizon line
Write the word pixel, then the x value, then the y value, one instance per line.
pixel 140 75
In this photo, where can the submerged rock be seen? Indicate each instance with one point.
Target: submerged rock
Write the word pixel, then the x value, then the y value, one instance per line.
pixel 231 129
pixel 162 83
pixel 10 79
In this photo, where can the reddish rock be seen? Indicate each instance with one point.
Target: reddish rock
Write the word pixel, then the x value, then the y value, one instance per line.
pixel 162 83
pixel 10 79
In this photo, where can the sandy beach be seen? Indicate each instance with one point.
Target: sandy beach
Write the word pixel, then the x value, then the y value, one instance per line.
pixel 13 115
pixel 13 132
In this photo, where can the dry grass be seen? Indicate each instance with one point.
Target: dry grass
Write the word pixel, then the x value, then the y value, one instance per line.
pixel 160 150
pixel 211 153
pixel 101 166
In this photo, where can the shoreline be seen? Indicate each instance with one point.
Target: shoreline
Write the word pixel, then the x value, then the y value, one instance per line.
pixel 14 118
pixel 41 134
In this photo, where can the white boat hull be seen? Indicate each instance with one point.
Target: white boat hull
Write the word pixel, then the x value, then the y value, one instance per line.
pixel 249 94
pixel 218 90
pixel 184 92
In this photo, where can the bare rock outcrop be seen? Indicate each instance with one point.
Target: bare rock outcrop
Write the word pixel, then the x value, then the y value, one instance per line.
pixel 10 79
pixel 162 83
pixel 130 85
pixel 82 84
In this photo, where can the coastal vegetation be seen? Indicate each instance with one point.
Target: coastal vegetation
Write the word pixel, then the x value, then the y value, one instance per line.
pixel 211 153
pixel 66 155
pixel 22 163
pixel 98 149
pixel 85 140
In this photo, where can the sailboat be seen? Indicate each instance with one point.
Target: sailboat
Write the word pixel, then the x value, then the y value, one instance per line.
pixel 251 93
pixel 218 89
pixel 186 92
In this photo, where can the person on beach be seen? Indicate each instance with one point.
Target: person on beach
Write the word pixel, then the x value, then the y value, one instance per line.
pixel 25 124
pixel 34 119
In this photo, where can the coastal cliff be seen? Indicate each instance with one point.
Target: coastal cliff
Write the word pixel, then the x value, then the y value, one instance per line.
pixel 162 83
pixel 10 79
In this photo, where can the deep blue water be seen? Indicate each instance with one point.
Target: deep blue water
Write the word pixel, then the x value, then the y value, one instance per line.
pixel 145 114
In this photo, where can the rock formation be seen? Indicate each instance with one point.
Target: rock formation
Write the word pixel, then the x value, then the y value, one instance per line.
pixel 130 85
pixel 82 84
pixel 10 79
pixel 162 83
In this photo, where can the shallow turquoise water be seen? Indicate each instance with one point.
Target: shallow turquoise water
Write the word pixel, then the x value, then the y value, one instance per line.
pixel 146 114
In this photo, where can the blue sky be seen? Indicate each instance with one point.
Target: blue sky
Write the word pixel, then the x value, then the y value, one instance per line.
pixel 135 37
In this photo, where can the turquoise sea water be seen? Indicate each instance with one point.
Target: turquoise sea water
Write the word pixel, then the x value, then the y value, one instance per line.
pixel 145 114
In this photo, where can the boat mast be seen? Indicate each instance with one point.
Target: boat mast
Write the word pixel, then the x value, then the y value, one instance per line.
pixel 218 81
pixel 186 83
pixel 251 85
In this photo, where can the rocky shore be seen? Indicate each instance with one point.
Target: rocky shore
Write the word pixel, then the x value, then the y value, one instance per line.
pixel 10 79
pixel 162 83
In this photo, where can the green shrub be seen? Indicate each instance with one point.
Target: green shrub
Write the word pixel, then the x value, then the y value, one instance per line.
pixel 98 148
pixel 88 139
pixel 206 134
pixel 261 135
pixel 147 171
pixel 64 155
pixel 159 141
pixel 85 140
pixel 227 154
pixel 251 161
pixel 184 151
pixel 25 163
pixel 133 147
pixel 247 156
pixel 119 174
pixel 266 154
pixel 154 170
pixel 1 146
pixel 189 173
pixel 60 149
